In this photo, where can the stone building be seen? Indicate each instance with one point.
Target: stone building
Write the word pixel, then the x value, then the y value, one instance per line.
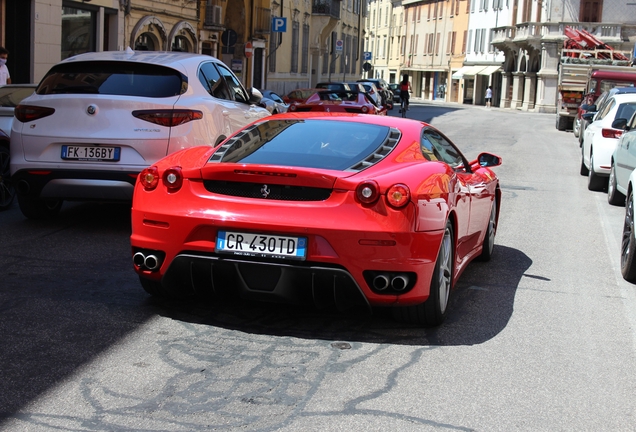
pixel 322 42
pixel 533 38
pixel 383 38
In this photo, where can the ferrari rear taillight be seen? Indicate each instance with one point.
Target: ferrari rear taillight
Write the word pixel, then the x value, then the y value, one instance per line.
pixel 292 107
pixel 149 178
pixel 173 179
pixel 169 117
pixel 368 192
pixel 398 195
pixel 611 133
pixel 27 113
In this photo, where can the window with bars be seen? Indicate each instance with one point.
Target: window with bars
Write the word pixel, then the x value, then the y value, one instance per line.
pixel 273 45
pixel 305 59
pixel 294 51
pixel 332 63
pixel 438 39
pixel 464 42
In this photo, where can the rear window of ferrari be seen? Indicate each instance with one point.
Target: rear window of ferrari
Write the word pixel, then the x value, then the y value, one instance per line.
pixel 324 144
pixel 113 78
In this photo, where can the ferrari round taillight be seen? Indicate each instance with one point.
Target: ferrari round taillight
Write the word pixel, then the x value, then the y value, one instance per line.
pixel 149 178
pixel 292 107
pixel 368 192
pixel 398 195
pixel 173 179
pixel 365 109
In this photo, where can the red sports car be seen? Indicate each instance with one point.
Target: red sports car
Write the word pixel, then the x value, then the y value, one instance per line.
pixel 334 209
pixel 339 101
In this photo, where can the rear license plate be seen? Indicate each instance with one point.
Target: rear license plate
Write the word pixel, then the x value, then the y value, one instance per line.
pixel 91 153
pixel 261 245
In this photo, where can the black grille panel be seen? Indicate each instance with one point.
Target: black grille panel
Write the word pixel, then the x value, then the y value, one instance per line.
pixel 269 191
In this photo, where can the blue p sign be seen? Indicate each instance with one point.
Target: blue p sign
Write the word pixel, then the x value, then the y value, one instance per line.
pixel 279 24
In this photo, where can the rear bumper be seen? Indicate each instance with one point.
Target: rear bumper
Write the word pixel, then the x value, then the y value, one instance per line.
pixel 323 286
pixel 76 184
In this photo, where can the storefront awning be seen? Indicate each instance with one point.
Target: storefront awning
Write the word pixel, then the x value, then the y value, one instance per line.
pixel 467 71
pixel 489 70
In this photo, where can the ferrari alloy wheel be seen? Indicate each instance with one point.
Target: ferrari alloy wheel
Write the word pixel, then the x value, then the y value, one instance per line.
pixel 594 181
pixel 614 197
pixel 7 191
pixel 584 171
pixel 38 208
pixel 433 311
pixel 628 244
pixel 489 239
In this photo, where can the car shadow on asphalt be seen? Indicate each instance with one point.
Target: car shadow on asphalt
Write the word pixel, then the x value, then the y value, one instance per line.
pixel 425 112
pixel 481 306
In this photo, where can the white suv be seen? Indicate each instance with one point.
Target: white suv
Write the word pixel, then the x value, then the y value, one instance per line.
pixel 97 119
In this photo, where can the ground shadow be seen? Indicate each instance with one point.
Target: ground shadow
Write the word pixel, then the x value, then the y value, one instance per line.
pixel 425 112
pixel 481 307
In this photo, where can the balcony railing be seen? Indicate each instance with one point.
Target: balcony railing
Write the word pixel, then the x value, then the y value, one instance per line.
pixel 528 30
pixel 262 21
pixel 326 7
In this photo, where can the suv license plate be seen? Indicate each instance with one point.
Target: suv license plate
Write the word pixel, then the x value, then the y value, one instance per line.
pixel 91 153
pixel 261 245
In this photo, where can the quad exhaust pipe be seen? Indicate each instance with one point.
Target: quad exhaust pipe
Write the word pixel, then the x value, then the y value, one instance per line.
pixel 397 281
pixel 147 262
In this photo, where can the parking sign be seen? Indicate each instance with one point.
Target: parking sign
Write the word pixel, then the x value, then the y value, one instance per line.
pixel 279 24
pixel 367 56
pixel 339 45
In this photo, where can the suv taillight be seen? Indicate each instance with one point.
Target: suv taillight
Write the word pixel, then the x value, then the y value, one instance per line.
pixel 169 117
pixel 611 133
pixel 27 113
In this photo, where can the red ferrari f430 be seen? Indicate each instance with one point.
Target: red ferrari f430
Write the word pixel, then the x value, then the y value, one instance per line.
pixel 333 209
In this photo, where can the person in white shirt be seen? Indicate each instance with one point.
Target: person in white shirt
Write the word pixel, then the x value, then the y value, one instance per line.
pixel 5 78
pixel 488 96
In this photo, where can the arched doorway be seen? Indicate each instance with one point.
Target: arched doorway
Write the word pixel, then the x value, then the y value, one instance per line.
pixel 148 34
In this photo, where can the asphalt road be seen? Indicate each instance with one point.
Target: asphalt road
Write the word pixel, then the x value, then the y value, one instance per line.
pixel 541 338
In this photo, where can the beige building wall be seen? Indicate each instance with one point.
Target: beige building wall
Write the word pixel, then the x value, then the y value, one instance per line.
pixel 47 30
pixel 460 18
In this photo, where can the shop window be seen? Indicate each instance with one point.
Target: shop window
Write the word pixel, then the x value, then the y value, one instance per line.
pixel 78 31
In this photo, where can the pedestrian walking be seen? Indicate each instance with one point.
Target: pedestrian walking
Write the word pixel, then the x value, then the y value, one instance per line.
pixel 488 96
pixel 405 89
pixel 5 78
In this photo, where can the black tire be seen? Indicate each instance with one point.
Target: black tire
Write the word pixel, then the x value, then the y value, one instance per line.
pixel 614 197
pixel 7 191
pixel 583 170
pixel 433 311
pixel 562 122
pixel 628 243
pixel 595 182
pixel 489 240
pixel 38 208
pixel 152 287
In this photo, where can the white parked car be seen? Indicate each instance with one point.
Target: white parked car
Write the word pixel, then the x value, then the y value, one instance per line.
pixel 97 120
pixel 600 138
pixel 273 103
pixel 623 162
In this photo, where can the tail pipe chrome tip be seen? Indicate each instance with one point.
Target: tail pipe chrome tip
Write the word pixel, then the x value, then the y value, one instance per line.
pixel 381 282
pixel 145 261
pixel 400 282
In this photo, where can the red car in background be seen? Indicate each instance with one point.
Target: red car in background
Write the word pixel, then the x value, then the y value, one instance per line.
pixel 299 95
pixel 339 101
pixel 338 210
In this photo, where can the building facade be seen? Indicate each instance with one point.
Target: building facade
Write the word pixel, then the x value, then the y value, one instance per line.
pixel 322 42
pixel 533 38
pixel 382 39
